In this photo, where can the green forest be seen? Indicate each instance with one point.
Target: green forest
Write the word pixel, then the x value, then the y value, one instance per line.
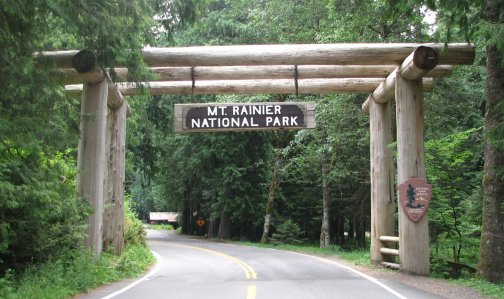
pixel 234 179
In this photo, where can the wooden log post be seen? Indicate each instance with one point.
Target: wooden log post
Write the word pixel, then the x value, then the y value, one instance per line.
pixel 91 159
pixel 413 237
pixel 382 179
pixel 113 232
pixel 414 67
pixel 101 154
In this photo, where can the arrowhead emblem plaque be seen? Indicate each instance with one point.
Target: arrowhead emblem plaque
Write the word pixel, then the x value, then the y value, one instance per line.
pixel 415 196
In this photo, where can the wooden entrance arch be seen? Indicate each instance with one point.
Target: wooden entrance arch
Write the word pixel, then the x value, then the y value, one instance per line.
pixel 385 71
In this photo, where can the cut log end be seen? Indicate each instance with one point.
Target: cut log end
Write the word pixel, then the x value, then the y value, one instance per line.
pixel 84 61
pixel 425 58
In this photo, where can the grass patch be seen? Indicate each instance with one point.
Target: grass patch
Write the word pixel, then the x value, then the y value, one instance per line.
pixel 356 256
pixel 160 226
pixel 484 287
pixel 75 272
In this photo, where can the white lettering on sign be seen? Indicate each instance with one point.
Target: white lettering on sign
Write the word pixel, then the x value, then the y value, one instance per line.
pixel 226 122
pixel 253 110
pixel 246 116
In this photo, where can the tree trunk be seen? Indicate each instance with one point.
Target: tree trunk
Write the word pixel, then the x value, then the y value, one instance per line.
pixel 351 231
pixel 186 218
pixel 341 228
pixel 271 196
pixel 224 227
pixel 213 227
pixel 490 265
pixel 325 234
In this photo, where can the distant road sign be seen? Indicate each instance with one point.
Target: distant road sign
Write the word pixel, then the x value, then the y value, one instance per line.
pixel 163 216
pixel 200 222
pixel 243 116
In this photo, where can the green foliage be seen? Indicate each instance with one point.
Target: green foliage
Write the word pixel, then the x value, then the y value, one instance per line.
pixel 75 272
pixel 288 232
pixel 161 226
pixel 134 233
pixel 486 288
pixel 41 215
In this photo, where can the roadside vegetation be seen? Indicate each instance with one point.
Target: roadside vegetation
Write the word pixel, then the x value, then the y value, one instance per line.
pixel 238 181
pixel 168 227
pixel 75 271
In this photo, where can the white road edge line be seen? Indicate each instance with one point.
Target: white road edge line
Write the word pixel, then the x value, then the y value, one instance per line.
pixel 151 273
pixel 370 278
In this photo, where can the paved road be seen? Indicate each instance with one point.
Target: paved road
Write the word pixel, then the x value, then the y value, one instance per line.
pixel 189 268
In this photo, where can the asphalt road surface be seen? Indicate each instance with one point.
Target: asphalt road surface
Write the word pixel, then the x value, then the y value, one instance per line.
pixel 189 268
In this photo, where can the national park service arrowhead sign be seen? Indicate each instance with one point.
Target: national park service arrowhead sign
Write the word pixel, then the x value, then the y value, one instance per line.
pixel 414 196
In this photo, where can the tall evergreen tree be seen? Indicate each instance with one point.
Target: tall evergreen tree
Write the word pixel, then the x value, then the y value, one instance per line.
pixel 491 264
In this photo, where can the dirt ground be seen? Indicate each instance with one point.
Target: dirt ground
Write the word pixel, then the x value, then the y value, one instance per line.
pixel 435 286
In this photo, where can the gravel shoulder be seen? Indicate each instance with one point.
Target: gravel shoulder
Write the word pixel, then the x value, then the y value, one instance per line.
pixel 438 287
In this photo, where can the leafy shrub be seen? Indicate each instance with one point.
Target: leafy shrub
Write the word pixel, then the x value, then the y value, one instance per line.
pixel 288 232
pixel 134 233
pixel 41 215
pixel 74 272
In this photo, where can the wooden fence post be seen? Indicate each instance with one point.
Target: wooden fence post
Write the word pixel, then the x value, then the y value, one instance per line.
pixel 382 179
pixel 413 237
pixel 91 159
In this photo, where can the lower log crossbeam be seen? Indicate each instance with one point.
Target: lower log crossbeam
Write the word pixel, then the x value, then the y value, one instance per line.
pixel 393 266
pixel 281 86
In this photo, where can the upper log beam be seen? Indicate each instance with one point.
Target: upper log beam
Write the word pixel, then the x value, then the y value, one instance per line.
pixel 417 64
pixel 84 63
pixel 305 86
pixel 71 76
pixel 84 67
pixel 309 54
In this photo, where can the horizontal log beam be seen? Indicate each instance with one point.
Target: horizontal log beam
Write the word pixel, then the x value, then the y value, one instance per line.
pixel 417 64
pixel 70 76
pixel 115 99
pixel 305 86
pixel 389 239
pixel 394 266
pixel 309 54
pixel 389 251
pixel 84 68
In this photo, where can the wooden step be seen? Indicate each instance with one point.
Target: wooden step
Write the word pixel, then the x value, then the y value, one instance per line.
pixel 389 251
pixel 389 239
pixel 391 265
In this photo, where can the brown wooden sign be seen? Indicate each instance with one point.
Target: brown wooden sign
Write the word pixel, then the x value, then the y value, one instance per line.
pixel 414 196
pixel 243 116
